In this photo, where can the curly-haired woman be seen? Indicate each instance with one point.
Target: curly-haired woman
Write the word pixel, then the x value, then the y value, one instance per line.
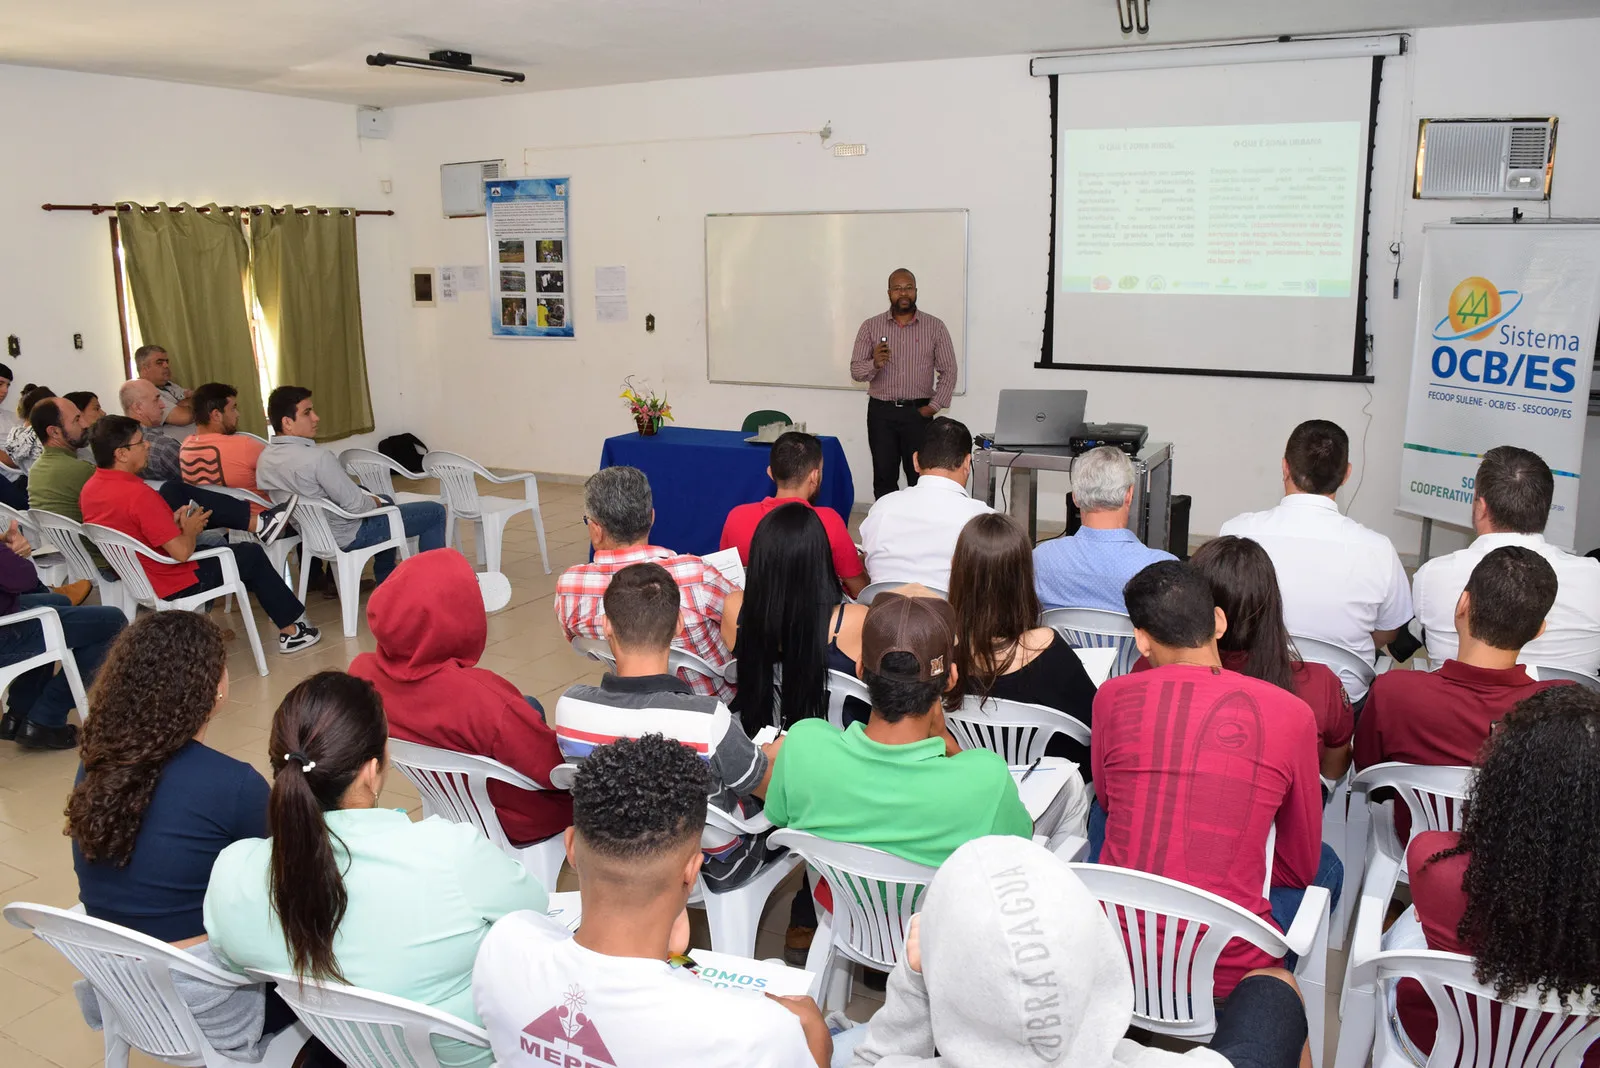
pixel 1519 887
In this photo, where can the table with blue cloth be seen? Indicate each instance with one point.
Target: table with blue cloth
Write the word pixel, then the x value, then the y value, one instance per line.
pixel 698 476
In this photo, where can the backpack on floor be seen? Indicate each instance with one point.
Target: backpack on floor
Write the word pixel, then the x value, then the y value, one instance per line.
pixel 407 450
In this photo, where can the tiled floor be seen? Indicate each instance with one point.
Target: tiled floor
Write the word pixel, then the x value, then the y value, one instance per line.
pixel 40 1026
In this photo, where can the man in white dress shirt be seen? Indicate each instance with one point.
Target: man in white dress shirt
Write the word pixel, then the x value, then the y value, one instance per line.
pixel 1510 506
pixel 910 534
pixel 1341 582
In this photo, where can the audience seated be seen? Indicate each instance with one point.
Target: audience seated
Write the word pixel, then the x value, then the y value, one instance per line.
pixel 790 620
pixel 293 465
pixel 1257 644
pixel 88 403
pixel 970 992
pixel 431 628
pixel 619 514
pixel 1342 583
pixel 20 442
pixel 1001 651
pixel 154 805
pixel 1089 568
pixel 117 497
pixel 795 467
pixel 641 696
pixel 216 454
pixel 616 991
pixel 58 475
pixel 348 891
pixel 1515 888
pixel 899 783
pixel 910 534
pixel 177 404
pixel 13 476
pixel 37 702
pixel 1195 764
pixel 1510 505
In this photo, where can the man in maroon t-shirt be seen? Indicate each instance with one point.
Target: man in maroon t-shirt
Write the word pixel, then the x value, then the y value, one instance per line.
pixel 796 467
pixel 1194 765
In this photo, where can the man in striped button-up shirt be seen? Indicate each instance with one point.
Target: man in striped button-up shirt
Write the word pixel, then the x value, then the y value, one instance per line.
pixel 899 353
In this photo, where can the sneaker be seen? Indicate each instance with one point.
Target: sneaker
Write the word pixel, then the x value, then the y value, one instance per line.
pixel 304 637
pixel 275 521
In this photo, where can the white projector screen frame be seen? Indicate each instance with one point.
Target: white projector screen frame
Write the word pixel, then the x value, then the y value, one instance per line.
pixel 1064 346
pixel 786 292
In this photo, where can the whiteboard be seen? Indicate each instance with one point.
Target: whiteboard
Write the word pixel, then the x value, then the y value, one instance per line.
pixel 786 293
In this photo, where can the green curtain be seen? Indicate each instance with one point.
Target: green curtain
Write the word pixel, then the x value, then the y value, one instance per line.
pixel 306 283
pixel 187 272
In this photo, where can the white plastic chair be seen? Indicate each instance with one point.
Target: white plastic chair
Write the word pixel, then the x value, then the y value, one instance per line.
pixel 123 553
pixel 734 916
pixel 1527 1031
pixel 55 649
pixel 1547 674
pixel 278 552
pixel 679 660
pixel 68 538
pixel 1174 934
pixel 47 559
pixel 131 974
pixel 1095 628
pixel 874 896
pixel 366 1029
pixel 1433 795
pixel 1342 662
pixel 1018 731
pixel 841 686
pixel 455 787
pixel 311 516
pixel 866 595
pixel 489 515
pixel 376 472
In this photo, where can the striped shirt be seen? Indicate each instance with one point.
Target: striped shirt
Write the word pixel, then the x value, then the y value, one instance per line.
pixel 917 350
pixel 701 587
pixel 590 716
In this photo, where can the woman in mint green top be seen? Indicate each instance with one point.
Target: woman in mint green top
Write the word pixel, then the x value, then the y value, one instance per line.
pixel 348 892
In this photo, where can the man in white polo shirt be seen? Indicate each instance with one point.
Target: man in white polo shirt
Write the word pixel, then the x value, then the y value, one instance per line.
pixel 910 534
pixel 1510 506
pixel 1341 582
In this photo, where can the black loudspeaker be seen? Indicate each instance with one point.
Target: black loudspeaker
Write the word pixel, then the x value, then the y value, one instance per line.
pixel 1178 537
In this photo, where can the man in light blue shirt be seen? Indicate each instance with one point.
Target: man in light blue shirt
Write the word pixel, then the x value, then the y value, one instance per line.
pixel 1089 569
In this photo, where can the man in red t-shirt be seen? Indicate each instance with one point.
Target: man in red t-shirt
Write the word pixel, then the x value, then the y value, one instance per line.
pixel 1194 765
pixel 796 468
pixel 116 497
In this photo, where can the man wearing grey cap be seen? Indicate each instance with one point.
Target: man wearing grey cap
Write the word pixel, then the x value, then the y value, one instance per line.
pixel 898 783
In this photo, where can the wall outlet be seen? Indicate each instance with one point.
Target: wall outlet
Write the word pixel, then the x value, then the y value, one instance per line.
pixel 850 150
pixel 77 341
pixel 13 346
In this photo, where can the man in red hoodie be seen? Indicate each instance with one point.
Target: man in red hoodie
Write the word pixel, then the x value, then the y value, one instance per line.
pixel 431 627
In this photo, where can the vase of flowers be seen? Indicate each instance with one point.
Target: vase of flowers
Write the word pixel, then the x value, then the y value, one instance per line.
pixel 649 411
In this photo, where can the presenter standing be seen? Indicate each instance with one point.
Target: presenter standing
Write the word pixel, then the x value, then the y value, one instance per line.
pixel 907 357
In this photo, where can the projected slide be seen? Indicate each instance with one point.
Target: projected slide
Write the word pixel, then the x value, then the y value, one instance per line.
pixel 1259 210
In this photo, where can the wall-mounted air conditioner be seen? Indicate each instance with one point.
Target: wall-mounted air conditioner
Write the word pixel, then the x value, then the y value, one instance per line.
pixel 461 186
pixel 1501 159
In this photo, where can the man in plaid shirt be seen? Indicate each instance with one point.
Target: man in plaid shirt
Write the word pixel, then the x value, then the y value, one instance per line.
pixel 620 514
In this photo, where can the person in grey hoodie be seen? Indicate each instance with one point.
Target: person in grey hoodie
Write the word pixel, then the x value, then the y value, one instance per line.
pixel 1012 962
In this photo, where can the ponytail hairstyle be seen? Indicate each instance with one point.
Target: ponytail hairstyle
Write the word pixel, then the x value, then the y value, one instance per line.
pixel 323 734
pixel 31 395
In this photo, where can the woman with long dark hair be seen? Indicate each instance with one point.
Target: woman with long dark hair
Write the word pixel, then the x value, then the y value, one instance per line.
pixel 1002 651
pixel 1518 888
pixel 1256 642
pixel 350 892
pixel 88 403
pixel 791 615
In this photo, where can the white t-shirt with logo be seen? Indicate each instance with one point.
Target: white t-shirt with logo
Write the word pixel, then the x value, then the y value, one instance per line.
pixel 547 1000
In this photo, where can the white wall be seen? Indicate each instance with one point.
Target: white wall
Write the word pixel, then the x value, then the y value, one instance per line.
pixel 82 138
pixel 649 161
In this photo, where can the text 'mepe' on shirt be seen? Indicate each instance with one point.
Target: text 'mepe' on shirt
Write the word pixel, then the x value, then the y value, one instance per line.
pixel 909 800
pixel 1194 766
pixel 910 535
pixel 546 1000
pixel 1340 581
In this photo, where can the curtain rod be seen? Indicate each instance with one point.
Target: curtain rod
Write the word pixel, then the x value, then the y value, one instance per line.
pixel 98 208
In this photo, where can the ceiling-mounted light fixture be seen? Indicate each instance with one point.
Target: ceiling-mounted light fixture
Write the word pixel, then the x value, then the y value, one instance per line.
pixel 445 60
pixel 1134 15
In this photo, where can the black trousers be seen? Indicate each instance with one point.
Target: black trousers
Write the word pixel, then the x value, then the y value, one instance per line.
pixel 227 513
pixel 258 576
pixel 894 432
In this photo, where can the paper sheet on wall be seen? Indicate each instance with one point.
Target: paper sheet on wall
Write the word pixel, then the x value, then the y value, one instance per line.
pixel 449 284
pixel 611 308
pixel 472 279
pixel 529 257
pixel 610 280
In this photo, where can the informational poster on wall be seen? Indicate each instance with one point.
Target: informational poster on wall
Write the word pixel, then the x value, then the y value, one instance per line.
pixel 529 257
pixel 1504 348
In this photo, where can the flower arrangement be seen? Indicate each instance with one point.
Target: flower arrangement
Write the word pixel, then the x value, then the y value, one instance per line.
pixel 649 410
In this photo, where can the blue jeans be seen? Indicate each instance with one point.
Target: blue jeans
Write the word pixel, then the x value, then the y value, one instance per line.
pixel 42 695
pixel 424 520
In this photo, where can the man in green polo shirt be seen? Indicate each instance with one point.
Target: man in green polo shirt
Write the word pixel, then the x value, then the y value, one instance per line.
pixel 58 475
pixel 890 784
